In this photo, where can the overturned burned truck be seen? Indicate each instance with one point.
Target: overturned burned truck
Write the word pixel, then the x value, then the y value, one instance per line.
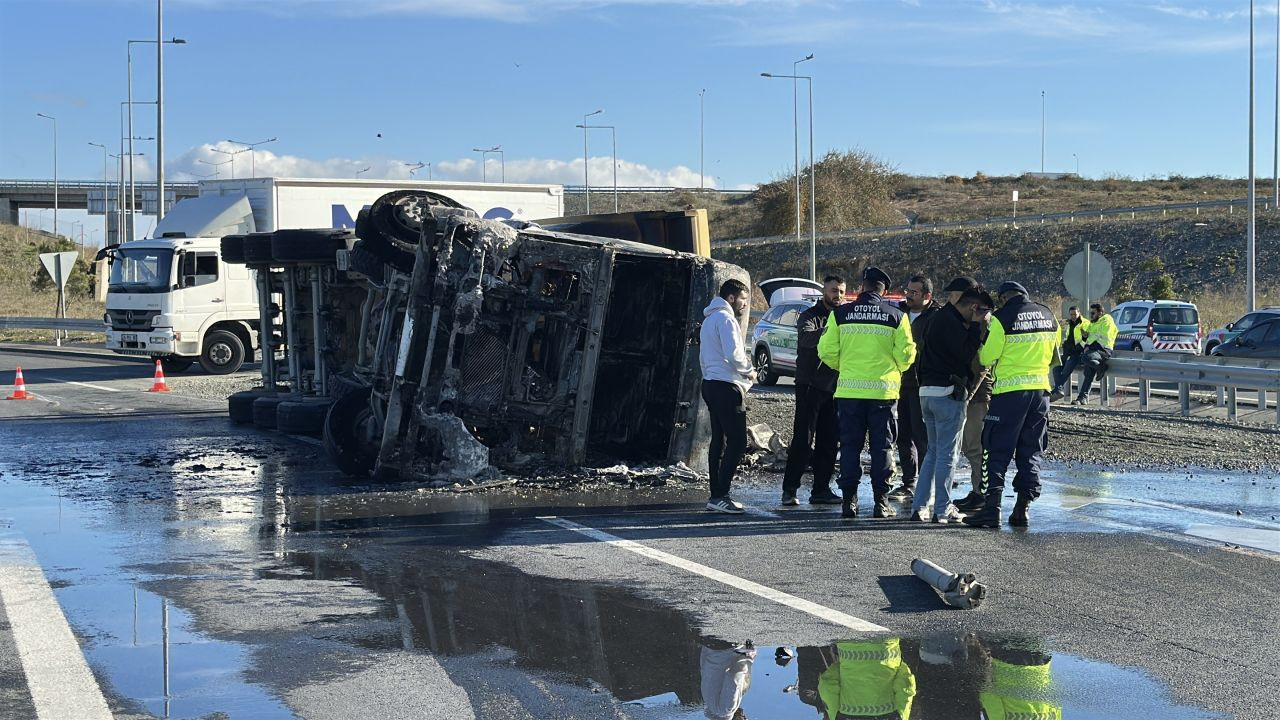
pixel 481 344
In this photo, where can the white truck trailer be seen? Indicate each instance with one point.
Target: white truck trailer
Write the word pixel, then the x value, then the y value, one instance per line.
pixel 172 297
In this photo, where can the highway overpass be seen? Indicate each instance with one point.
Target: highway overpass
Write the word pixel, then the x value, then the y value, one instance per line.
pixel 84 195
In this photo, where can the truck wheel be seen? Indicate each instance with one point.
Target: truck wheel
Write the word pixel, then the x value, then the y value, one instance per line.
pixel 233 249
pixel 223 353
pixel 264 409
pixel 240 405
pixel 174 364
pixel 303 417
pixel 366 263
pixel 342 384
pixel 381 247
pixel 257 248
pixel 348 433
pixel 399 214
pixel 310 246
pixel 764 368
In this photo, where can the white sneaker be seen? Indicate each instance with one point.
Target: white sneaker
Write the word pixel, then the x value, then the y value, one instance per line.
pixel 952 515
pixel 726 504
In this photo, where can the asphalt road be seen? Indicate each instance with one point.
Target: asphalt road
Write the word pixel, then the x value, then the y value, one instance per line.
pixel 207 568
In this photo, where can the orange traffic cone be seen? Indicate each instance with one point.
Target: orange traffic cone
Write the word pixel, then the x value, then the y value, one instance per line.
pixel 159 385
pixel 19 388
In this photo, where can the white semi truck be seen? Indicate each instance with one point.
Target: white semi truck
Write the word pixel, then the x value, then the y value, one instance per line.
pixel 172 297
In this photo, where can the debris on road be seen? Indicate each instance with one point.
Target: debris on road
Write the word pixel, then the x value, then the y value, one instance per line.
pixel 962 591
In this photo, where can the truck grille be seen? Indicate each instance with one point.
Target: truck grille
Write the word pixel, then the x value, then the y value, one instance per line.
pixel 131 319
pixel 483 371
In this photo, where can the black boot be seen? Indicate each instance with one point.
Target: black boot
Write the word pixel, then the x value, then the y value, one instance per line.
pixel 988 516
pixel 1019 517
pixel 849 506
pixel 882 508
pixel 971 502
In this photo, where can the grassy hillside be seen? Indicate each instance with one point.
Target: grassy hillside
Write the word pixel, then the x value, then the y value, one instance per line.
pixel 25 287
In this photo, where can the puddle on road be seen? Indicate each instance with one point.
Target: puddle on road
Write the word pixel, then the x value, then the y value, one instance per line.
pixel 659 667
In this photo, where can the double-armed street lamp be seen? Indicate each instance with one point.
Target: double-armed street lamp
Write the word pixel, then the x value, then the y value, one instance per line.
pixel 813 217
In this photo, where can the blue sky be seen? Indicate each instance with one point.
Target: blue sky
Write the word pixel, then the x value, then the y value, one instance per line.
pixel 1133 87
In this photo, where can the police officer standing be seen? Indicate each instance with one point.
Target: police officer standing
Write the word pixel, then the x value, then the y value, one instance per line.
pixel 869 343
pixel 1023 345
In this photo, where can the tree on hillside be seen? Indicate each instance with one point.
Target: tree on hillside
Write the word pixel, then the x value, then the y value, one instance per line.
pixel 852 190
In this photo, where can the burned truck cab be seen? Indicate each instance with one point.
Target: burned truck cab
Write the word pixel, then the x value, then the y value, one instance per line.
pixel 509 346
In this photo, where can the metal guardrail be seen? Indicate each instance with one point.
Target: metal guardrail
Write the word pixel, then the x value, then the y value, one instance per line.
pixel 47 323
pixel 1227 376
pixel 1069 216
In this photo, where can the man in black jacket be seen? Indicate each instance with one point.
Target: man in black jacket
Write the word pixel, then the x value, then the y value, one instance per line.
pixel 912 444
pixel 815 433
pixel 945 367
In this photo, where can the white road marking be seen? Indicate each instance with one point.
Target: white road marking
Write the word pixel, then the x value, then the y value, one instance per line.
pixel 59 679
pixel 819 611
pixel 90 385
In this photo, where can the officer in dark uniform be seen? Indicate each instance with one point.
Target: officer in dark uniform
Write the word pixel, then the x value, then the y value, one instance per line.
pixel 1023 345
pixel 869 343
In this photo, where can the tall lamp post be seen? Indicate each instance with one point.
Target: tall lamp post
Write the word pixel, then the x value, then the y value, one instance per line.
pixel 231 154
pixel 702 182
pixel 813 215
pixel 106 216
pixel 413 167
pixel 586 159
pixel 253 159
pixel 1041 132
pixel 217 165
pixel 55 169
pixel 1077 157
pixel 613 132
pixel 1250 290
pixel 484 161
pixel 129 72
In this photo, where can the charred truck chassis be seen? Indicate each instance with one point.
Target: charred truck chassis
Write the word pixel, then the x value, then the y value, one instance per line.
pixel 502 345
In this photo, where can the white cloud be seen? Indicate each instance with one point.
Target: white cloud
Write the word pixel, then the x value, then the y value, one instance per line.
pixel 201 161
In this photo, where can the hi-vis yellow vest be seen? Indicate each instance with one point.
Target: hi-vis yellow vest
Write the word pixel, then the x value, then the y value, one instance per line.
pixel 869 342
pixel 1022 341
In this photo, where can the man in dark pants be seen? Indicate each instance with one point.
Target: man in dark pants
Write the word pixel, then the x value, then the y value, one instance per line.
pixel 815 419
pixel 1072 349
pixel 912 441
pixel 1023 344
pixel 727 374
pixel 869 342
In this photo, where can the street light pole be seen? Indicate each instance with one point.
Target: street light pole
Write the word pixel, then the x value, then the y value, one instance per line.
pixel 1250 294
pixel 702 182
pixel 1041 132
pixel 232 154
pixel 813 218
pixel 159 111
pixel 106 217
pixel 129 66
pixel 253 154
pixel 795 127
pixel 1077 157
pixel 1275 145
pixel 216 171
pixel 586 159
pixel 55 169
pixel 614 134
pixel 413 167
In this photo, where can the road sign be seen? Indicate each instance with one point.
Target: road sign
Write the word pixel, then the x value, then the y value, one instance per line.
pixel 59 265
pixel 1099 280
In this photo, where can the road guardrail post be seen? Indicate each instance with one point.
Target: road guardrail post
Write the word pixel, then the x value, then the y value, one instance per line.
pixel 1144 394
pixel 1231 404
pixel 1184 398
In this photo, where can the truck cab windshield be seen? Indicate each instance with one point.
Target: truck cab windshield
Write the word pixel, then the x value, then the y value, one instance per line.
pixel 141 270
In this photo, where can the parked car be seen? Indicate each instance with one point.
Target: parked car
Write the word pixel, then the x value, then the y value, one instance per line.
pixel 1218 336
pixel 1262 341
pixel 1158 326
pixel 773 340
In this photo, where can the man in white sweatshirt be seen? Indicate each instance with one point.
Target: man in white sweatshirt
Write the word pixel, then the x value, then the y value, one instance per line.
pixel 727 375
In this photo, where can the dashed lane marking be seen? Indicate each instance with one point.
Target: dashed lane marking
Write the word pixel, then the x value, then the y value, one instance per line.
pixel 61 684
pixel 819 611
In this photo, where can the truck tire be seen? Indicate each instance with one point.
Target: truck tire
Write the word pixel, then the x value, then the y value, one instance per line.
pixel 223 353
pixel 366 263
pixel 240 405
pixel 303 417
pixel 399 214
pixel 264 409
pixel 381 247
pixel 345 429
pixel 310 246
pixel 174 364
pixel 342 384
pixel 257 248
pixel 233 249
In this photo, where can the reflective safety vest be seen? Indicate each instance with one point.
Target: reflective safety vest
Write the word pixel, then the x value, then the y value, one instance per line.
pixel 869 342
pixel 1103 331
pixel 1078 332
pixel 1022 342
pixel 1019 692
pixel 867 680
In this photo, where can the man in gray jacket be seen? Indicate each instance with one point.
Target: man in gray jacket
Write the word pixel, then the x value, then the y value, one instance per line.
pixel 727 374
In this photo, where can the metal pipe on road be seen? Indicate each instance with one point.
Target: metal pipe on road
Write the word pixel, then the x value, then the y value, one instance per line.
pixel 962 591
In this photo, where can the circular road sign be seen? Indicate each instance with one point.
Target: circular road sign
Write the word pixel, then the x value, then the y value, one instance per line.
pixel 1099 280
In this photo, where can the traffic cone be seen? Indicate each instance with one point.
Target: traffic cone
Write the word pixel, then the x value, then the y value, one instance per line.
pixel 19 388
pixel 159 385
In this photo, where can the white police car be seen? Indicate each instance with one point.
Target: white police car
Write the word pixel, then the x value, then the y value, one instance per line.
pixel 1158 326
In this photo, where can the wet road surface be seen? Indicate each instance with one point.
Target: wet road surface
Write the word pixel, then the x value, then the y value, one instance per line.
pixel 206 568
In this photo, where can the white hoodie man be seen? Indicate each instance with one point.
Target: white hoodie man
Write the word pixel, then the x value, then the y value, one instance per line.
pixel 727 374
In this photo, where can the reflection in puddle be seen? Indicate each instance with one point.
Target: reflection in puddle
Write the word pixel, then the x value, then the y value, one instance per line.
pixel 656 663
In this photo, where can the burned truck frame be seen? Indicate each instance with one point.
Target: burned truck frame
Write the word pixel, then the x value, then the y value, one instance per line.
pixel 486 344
